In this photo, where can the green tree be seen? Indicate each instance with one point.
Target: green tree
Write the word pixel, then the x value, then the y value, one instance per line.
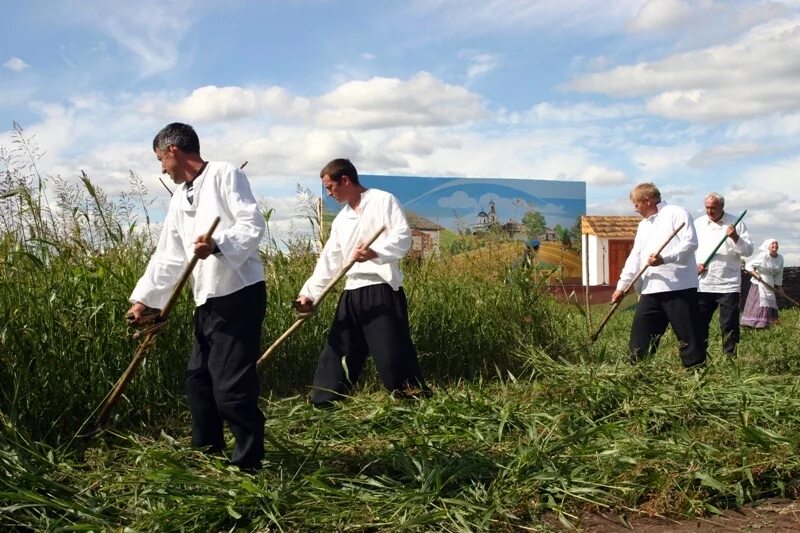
pixel 576 233
pixel 564 235
pixel 534 223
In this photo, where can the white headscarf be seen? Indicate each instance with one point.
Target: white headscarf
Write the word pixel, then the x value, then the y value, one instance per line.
pixel 768 268
pixel 765 245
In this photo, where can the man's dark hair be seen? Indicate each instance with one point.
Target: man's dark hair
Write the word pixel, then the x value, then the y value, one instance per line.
pixel 338 168
pixel 181 135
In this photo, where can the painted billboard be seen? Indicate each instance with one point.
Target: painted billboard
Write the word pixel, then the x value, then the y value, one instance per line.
pixel 441 209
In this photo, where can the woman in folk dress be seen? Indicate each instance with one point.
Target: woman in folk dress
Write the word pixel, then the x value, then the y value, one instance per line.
pixel 761 307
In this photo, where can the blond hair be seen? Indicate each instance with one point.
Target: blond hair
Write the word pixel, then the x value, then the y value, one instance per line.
pixel 645 191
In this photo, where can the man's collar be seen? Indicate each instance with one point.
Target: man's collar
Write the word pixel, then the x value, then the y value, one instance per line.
pixel 659 205
pixel 360 202
pixel 197 174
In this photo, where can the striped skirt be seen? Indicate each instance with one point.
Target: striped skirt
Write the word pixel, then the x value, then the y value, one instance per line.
pixel 754 315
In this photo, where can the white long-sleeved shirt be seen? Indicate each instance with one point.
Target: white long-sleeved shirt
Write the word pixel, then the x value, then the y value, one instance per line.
pixel 354 226
pixel 679 270
pixel 771 271
pixel 723 274
pixel 221 190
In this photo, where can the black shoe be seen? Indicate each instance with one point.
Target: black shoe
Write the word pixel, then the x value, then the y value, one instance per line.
pixel 212 451
pixel 412 393
pixel 696 366
pixel 248 468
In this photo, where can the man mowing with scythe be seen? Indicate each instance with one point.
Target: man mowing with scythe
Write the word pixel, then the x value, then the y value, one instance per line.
pixel 228 287
pixel 668 279
pixel 719 270
pixel 372 315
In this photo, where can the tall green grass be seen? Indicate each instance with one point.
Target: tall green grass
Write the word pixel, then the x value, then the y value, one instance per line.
pixel 499 455
pixel 528 420
pixel 68 269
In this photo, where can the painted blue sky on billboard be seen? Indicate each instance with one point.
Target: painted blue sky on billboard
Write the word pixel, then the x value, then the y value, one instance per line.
pixel 451 202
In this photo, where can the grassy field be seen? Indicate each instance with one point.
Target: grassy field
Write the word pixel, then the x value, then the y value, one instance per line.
pixel 529 424
pixel 486 454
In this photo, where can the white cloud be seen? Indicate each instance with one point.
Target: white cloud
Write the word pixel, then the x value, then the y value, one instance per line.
pixel 535 155
pixel 601 176
pixel 754 198
pixel 758 74
pixel 716 105
pixel 376 103
pixel 293 147
pixel 422 100
pixel 761 222
pixel 694 23
pixel 212 103
pixel 781 175
pixel 281 152
pixel 622 206
pixel 491 16
pixel 661 161
pixel 581 63
pixel 232 126
pixel 320 145
pixel 781 126
pixel 755 13
pixel 458 200
pixel 421 143
pixel 480 63
pixel 16 64
pixel 769 194
pixel 392 121
pixel 552 209
pixel 678 194
pixel 151 30
pixel 723 153
pixel 547 113
pixel 660 14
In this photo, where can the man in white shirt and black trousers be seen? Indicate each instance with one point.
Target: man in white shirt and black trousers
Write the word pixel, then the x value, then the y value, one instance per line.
pixel 668 288
pixel 721 280
pixel 372 314
pixel 228 287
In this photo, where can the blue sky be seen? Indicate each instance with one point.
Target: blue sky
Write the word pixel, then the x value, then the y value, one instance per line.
pixel 695 95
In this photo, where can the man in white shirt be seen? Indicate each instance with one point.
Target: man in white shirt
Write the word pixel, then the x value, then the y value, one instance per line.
pixel 228 287
pixel 720 274
pixel 668 288
pixel 372 314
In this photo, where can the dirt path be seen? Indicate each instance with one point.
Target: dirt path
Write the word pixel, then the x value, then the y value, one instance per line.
pixel 771 515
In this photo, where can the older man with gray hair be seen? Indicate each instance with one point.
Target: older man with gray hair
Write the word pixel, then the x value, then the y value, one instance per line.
pixel 720 270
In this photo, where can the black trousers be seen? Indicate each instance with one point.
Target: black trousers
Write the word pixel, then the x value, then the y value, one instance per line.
pixel 221 377
pixel 370 320
pixel 728 317
pixel 654 312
